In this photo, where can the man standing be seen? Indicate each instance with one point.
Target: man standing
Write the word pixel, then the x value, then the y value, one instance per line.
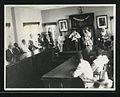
pixel 87 39
pixel 61 40
pixel 51 42
pixel 75 36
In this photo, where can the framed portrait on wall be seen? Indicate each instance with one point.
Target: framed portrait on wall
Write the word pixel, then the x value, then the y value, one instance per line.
pixel 63 25
pixel 102 21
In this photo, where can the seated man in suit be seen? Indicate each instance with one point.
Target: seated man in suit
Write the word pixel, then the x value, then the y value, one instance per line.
pixel 9 54
pixel 31 46
pixel 17 51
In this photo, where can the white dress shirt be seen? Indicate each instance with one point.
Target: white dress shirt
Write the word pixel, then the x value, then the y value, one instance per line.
pixel 61 39
pixel 84 71
pixel 25 48
pixel 99 62
pixel 11 51
pixel 75 36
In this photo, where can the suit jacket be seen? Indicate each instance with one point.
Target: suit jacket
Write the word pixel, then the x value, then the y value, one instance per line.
pixel 50 37
pixel 9 55
pixel 46 43
pixel 32 47
pixel 40 41
pixel 17 51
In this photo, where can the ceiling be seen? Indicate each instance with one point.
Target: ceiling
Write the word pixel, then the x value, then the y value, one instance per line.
pixel 44 7
pixel 47 7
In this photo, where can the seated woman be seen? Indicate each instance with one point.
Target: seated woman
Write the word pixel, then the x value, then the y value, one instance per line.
pixel 31 46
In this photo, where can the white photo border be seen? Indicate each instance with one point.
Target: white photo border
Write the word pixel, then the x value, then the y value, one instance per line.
pixel 62 89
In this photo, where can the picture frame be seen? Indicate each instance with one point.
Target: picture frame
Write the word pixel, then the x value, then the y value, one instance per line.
pixel 102 21
pixel 63 25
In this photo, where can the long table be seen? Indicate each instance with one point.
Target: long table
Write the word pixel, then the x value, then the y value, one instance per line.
pixel 24 72
pixel 61 76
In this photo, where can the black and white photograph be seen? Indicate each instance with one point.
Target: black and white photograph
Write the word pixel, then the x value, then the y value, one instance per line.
pixel 63 25
pixel 102 21
pixel 60 47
